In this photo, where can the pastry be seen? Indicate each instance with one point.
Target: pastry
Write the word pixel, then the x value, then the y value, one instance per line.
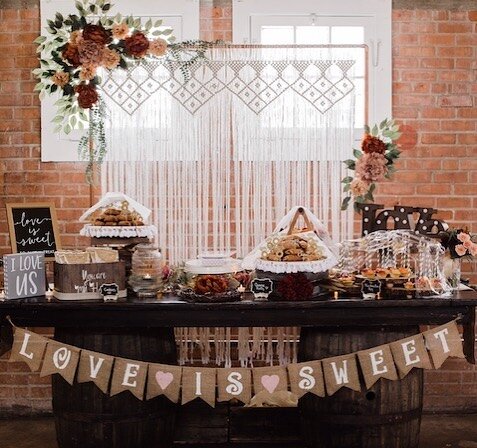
pixel 112 212
pixel 211 284
pixel 381 272
pixel 368 273
pixel 409 285
pixel 395 273
pixel 405 272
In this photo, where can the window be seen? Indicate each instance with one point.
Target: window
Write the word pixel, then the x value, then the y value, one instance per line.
pixel 323 22
pixel 181 15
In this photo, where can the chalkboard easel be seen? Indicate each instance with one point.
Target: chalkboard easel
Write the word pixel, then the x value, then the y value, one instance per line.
pixel 33 227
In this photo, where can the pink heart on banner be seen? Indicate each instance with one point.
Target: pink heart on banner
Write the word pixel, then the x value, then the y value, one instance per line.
pixel 270 382
pixel 164 379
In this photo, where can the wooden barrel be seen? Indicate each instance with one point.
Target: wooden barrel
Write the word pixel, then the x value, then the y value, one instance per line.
pixel 86 417
pixel 386 416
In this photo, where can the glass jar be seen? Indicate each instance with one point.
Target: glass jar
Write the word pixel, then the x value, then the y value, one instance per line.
pixel 146 272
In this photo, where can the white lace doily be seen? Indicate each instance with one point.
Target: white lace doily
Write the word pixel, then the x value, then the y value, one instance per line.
pixel 292 267
pixel 118 231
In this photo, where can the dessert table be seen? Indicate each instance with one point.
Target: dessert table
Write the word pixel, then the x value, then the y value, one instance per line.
pixel 143 329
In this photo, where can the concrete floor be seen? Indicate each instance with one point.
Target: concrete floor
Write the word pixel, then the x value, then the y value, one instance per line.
pixel 436 432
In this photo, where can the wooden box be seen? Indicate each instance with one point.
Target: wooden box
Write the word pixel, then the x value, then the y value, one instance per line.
pixel 83 281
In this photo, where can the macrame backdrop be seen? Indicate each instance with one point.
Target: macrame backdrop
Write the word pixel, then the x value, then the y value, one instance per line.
pixel 221 158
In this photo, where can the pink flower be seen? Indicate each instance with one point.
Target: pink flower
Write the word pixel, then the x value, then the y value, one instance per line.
pixel 468 244
pixel 463 237
pixel 460 250
pixel 371 167
pixel 473 250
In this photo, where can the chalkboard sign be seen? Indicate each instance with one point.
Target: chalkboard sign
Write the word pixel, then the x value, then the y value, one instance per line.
pixel 24 275
pixel 109 291
pixel 33 227
pixel 371 288
pixel 261 288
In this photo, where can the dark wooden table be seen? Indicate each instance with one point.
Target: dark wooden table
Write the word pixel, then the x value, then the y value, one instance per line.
pixel 354 317
pixel 171 312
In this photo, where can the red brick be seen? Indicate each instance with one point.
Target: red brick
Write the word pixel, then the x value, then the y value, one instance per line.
pixel 454 28
pixel 455 177
pixel 441 138
pixel 437 39
pixel 455 101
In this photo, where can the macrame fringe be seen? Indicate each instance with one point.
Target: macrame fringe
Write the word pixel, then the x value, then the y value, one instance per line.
pixel 260 345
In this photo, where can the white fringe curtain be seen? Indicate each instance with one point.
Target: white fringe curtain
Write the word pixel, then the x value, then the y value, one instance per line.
pixel 221 158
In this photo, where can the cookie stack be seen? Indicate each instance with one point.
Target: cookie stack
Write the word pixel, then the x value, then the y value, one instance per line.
pixel 116 217
pixel 292 248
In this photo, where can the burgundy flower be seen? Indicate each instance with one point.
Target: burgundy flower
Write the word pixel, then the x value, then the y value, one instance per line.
pixel 136 45
pixel 372 144
pixel 71 54
pixel 295 287
pixel 87 95
pixel 97 34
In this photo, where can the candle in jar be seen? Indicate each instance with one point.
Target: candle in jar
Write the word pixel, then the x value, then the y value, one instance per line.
pixel 147 277
pixel 335 295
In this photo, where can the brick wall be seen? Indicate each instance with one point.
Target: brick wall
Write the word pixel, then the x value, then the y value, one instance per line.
pixel 434 94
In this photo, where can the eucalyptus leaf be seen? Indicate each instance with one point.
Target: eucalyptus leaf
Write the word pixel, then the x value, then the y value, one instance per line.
pixel 357 153
pixel 347 180
pixel 345 203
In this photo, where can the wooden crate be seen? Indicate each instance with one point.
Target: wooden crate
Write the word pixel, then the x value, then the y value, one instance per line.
pixel 82 281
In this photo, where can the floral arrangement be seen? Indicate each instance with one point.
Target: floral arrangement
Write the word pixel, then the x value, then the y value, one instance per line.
pixel 78 46
pixel 373 163
pixel 459 242
pixel 295 287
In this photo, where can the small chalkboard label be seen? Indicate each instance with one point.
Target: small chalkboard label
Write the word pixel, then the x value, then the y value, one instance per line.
pixel 261 288
pixel 109 291
pixel 24 275
pixel 370 288
pixel 33 227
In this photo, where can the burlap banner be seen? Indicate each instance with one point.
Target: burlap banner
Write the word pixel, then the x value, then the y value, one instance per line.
pixel 442 342
pixel 164 380
pixel 144 380
pixel 28 347
pixel 95 367
pixel 60 358
pixel 409 353
pixel 341 371
pixel 307 377
pixel 377 363
pixel 234 383
pixel 270 379
pixel 198 383
pixel 129 375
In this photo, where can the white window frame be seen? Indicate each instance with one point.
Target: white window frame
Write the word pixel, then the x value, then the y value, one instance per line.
pixel 375 16
pixel 182 15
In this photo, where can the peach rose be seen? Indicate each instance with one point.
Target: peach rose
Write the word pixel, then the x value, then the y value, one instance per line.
pixel 463 237
pixel 158 47
pixel 358 187
pixel 473 250
pixel 460 250
pixel 60 79
pixel 120 31
pixel 110 59
pixel 87 72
